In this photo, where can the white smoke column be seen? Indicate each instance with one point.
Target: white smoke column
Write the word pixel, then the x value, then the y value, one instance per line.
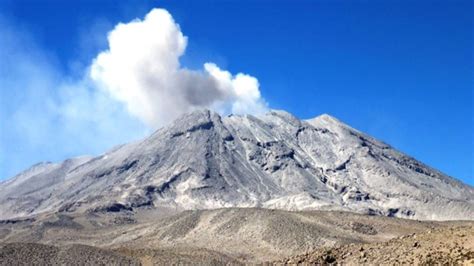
pixel 142 70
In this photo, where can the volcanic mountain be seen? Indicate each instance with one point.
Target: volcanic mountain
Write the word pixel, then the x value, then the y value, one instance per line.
pixel 207 161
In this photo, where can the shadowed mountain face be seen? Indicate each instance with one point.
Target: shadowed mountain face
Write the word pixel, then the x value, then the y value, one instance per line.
pixel 205 161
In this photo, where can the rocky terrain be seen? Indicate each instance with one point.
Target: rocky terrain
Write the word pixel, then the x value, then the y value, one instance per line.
pixel 39 254
pixel 205 161
pixel 440 246
pixel 221 236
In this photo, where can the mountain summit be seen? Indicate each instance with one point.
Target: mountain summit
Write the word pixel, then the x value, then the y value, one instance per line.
pixel 205 161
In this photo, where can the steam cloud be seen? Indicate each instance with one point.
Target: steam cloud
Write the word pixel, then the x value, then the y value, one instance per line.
pixel 124 94
pixel 141 68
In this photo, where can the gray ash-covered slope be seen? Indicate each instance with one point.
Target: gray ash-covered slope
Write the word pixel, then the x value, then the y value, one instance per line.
pixel 205 161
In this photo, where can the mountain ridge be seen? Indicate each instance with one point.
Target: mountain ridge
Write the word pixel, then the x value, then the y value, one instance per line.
pixel 203 161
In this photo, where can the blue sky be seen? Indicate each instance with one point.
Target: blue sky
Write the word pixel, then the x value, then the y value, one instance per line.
pixel 401 71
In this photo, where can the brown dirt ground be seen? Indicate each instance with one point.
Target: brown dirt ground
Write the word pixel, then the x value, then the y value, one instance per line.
pixel 440 246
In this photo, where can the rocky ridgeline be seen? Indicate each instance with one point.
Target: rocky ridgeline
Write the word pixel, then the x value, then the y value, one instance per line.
pixel 206 161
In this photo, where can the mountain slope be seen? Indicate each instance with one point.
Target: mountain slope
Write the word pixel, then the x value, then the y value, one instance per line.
pixel 205 161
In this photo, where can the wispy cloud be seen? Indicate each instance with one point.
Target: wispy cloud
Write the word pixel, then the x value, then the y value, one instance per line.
pixel 46 115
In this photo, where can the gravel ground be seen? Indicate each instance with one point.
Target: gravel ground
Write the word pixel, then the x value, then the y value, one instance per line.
pixel 233 235
pixel 39 254
pixel 442 246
